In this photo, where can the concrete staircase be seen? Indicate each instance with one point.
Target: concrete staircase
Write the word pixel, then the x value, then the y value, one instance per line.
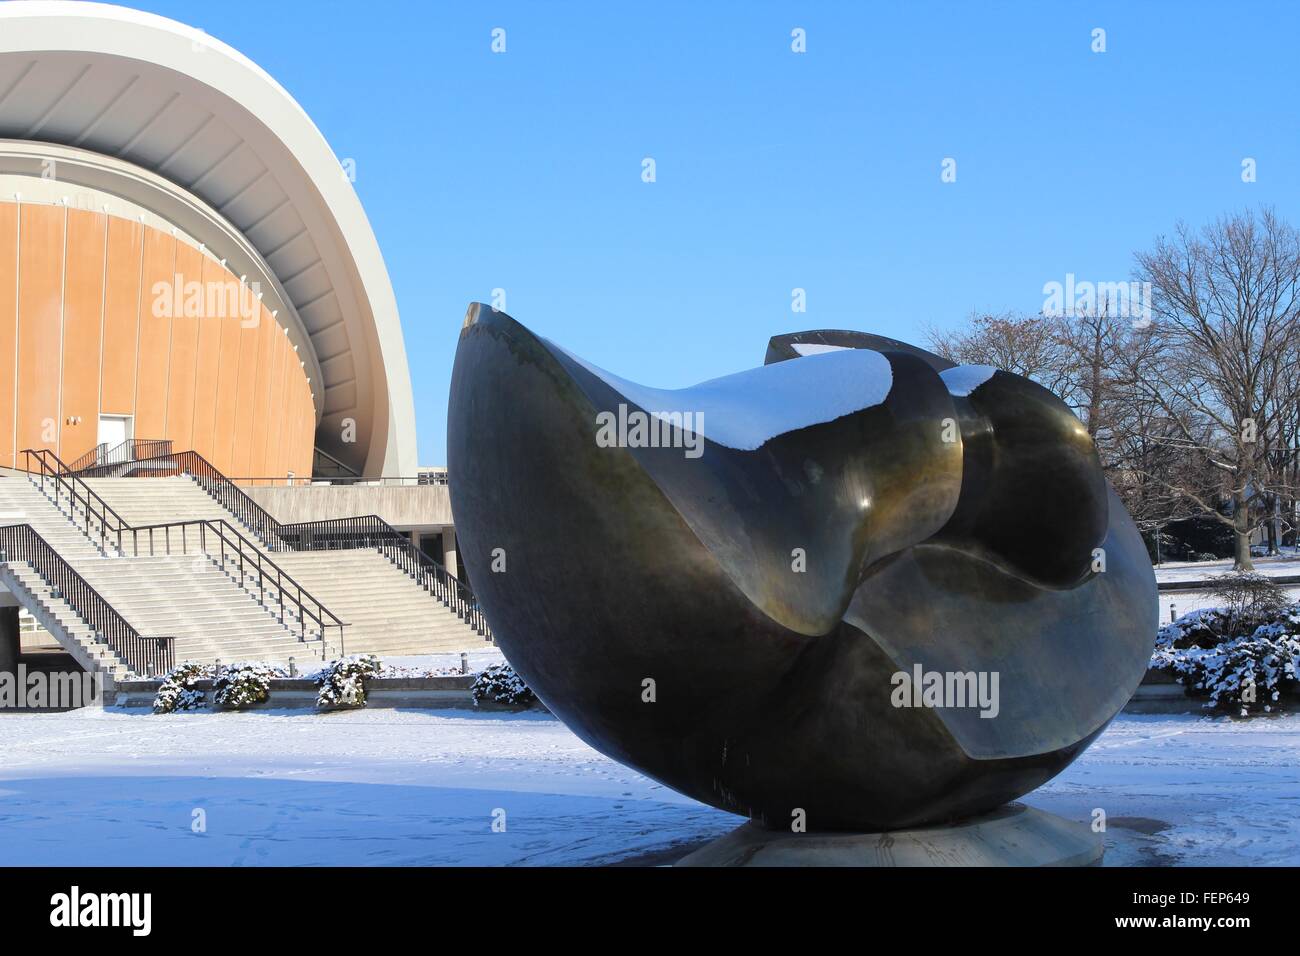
pixel 151 501
pixel 188 597
pixel 22 503
pixel 58 618
pixel 387 611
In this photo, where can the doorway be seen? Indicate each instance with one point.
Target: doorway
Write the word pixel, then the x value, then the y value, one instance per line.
pixel 113 431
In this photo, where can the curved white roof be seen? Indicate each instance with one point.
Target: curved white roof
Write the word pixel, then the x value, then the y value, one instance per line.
pixel 170 98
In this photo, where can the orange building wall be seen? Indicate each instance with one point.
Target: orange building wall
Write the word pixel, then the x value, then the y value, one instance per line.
pixel 83 314
pixel 8 330
pixel 40 325
pixel 121 316
pixel 104 315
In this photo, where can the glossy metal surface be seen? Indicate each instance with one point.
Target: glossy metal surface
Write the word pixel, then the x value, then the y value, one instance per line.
pixel 651 599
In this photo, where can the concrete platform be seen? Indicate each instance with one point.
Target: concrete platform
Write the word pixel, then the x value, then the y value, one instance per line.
pixel 1015 835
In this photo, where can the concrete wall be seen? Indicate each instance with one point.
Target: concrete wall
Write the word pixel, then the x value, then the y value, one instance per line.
pixel 403 506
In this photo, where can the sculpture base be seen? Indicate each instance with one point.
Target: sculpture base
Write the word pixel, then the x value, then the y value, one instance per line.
pixel 1014 835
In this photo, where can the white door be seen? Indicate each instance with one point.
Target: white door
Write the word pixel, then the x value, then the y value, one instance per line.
pixel 113 430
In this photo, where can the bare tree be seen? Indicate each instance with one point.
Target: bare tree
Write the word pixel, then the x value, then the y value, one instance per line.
pixel 1075 355
pixel 1028 345
pixel 1218 362
pixel 1092 344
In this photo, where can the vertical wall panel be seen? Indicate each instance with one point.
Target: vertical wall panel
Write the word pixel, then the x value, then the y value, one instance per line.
pixel 156 298
pixel 223 438
pixel 293 417
pixel 121 316
pixel 260 399
pixel 8 330
pixel 285 410
pixel 308 437
pixel 292 424
pixel 83 313
pixel 274 417
pixel 208 366
pixel 289 433
pixel 185 347
pixel 40 307
pixel 242 450
pixel 306 433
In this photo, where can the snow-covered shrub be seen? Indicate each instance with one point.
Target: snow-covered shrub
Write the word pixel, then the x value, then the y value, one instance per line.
pixel 343 682
pixel 1248 598
pixel 1207 627
pixel 243 684
pixel 178 692
pixel 1241 673
pixel 500 683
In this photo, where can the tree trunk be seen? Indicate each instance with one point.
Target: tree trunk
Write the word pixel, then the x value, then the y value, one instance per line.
pixel 1241 533
pixel 1094 385
pixel 1275 527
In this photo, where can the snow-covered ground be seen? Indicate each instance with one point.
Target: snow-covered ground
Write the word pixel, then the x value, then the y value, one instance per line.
pixel 1171 571
pixel 421 787
pixel 1185 601
pixel 477 660
pixel 1188 790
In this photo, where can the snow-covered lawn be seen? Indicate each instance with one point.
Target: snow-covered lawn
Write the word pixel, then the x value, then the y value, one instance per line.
pixel 477 660
pixel 1288 563
pixel 421 787
pixel 1187 601
pixel 1170 571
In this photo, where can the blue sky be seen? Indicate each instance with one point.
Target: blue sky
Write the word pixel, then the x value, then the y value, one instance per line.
pixel 774 170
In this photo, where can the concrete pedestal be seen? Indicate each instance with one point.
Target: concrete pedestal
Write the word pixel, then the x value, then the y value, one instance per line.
pixel 1014 835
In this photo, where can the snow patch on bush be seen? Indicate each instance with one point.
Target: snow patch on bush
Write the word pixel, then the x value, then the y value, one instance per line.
pixel 500 684
pixel 244 684
pixel 1244 673
pixel 343 682
pixel 178 692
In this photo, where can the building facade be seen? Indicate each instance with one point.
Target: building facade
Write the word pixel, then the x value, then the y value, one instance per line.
pixel 183 257
pixel 117 329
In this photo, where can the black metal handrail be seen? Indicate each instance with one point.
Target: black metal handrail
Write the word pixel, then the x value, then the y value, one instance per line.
pixel 436 478
pixel 107 453
pixel 92 457
pixel 227 494
pixel 108 524
pixel 323 462
pixel 372 531
pixel 362 531
pixel 231 547
pixel 145 656
pixel 112 526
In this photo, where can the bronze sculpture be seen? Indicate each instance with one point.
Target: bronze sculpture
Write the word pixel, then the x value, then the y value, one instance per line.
pixel 856 586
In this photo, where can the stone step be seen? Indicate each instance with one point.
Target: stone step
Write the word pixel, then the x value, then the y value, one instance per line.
pixel 385 607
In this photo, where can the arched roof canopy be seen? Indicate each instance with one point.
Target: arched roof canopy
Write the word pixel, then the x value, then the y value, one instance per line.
pixel 186 107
